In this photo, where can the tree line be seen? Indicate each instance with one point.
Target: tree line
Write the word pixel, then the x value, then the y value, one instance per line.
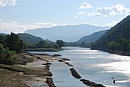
pixel 10 45
pixel 44 44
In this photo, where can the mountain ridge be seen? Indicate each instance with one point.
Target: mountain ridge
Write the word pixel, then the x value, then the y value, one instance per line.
pixel 69 33
pixel 92 37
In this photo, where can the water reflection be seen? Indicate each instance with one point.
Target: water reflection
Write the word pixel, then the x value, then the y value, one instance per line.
pixel 98 66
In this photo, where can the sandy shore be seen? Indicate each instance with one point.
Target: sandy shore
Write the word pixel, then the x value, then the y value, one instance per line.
pixel 31 70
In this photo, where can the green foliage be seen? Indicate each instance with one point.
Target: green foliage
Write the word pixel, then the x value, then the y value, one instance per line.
pixel 83 44
pixel 29 39
pixel 121 44
pixel 55 46
pixel 6 56
pixel 1 52
pixel 10 45
pixel 11 60
pixel 60 43
pixel 13 42
pixel 116 39
pixel 43 44
pixel 113 45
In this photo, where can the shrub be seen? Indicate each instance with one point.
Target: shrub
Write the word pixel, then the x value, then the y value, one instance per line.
pixel 11 60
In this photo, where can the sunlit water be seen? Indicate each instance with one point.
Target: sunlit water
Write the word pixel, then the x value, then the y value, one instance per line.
pixel 97 66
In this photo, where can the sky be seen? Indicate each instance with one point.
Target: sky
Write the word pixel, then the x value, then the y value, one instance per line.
pixel 20 15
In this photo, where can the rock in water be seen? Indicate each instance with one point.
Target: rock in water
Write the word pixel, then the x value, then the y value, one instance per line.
pixel 75 73
pixel 91 84
pixel 49 81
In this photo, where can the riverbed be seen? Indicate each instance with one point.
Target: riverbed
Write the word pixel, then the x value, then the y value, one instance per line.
pixel 94 65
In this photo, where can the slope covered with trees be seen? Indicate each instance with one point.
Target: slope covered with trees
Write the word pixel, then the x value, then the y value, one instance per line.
pixel 117 39
pixel 29 39
pixel 93 37
pixel 10 45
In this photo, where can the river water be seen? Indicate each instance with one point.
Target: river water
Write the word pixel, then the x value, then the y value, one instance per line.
pixel 94 65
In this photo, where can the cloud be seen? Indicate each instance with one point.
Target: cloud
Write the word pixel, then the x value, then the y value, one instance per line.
pixel 17 28
pixel 85 5
pixel 4 3
pixel 76 16
pixel 105 11
pixel 0 19
pixel 97 14
pixel 110 24
pixel 80 13
pixel 113 23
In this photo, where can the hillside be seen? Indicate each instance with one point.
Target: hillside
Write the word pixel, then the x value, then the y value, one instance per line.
pixel 93 37
pixel 117 39
pixel 67 33
pixel 29 39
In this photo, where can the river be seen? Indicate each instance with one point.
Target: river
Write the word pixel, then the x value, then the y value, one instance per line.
pixel 94 65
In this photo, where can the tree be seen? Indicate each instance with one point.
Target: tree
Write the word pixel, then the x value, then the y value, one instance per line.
pixel 6 56
pixel 42 44
pixel 13 42
pixel 1 52
pixel 112 45
pixel 55 46
pixel 60 43
pixel 124 44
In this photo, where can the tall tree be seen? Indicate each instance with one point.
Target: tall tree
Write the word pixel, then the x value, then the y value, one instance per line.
pixel 14 43
pixel 60 43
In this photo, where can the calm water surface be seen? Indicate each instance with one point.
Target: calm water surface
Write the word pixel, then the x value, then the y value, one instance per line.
pixel 97 66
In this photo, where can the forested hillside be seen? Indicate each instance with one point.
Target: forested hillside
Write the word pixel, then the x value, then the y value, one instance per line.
pixel 117 39
pixel 29 39
pixel 93 37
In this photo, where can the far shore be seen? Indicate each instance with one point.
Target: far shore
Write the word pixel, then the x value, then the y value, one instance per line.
pixel 42 49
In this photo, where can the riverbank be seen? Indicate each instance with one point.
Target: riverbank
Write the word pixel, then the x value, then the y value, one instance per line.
pixel 27 72
pixel 124 53
pixel 33 70
pixel 43 49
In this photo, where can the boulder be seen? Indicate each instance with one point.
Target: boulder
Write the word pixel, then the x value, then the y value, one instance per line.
pixel 91 84
pixel 49 81
pixel 75 73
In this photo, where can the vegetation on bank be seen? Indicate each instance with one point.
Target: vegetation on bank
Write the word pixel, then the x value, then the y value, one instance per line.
pixel 116 40
pixel 10 45
pixel 45 46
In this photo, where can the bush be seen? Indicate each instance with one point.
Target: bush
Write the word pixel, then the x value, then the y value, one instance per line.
pixel 11 60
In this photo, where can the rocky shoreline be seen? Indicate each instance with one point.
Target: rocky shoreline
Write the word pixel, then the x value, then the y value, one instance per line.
pixel 30 69
pixel 33 70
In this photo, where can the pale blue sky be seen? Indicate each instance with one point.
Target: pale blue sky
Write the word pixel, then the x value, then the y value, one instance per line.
pixel 20 15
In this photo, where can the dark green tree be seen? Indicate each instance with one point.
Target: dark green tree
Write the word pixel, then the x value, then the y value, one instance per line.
pixel 13 42
pixel 6 56
pixel 43 44
pixel 60 43
pixel 1 52
pixel 55 46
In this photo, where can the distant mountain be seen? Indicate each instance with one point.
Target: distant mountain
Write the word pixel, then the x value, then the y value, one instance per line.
pixel 93 37
pixel 29 39
pixel 3 34
pixel 117 39
pixel 67 33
